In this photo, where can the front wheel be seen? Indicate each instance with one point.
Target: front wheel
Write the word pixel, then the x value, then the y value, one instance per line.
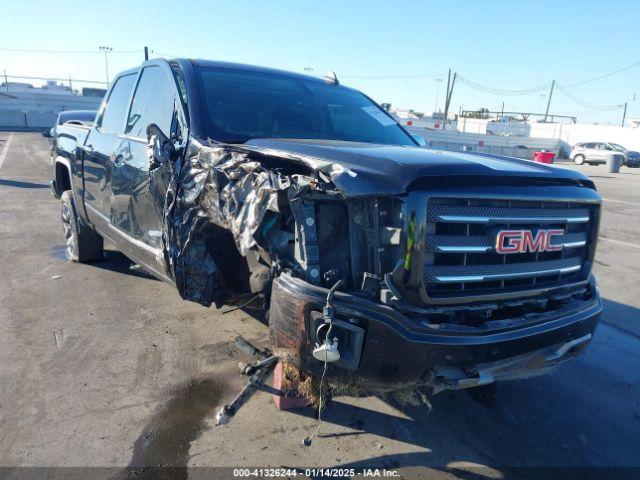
pixel 578 159
pixel 83 244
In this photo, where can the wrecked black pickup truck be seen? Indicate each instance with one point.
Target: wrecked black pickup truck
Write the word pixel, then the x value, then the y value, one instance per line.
pixel 250 186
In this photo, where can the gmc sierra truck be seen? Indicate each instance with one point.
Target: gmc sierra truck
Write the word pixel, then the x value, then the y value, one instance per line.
pixel 251 186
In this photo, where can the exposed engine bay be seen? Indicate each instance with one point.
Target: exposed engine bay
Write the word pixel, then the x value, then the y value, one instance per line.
pixel 238 218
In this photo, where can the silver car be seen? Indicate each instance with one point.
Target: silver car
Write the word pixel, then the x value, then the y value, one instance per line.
pixel 594 153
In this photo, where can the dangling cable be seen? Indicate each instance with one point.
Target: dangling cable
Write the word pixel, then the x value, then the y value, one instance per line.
pixel 328 314
pixel 307 441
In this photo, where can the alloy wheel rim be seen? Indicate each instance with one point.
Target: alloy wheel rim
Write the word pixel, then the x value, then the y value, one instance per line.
pixel 69 234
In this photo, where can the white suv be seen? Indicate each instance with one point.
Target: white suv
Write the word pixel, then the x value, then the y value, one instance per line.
pixel 596 152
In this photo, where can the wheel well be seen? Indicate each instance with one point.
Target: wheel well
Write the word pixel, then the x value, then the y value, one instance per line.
pixel 63 178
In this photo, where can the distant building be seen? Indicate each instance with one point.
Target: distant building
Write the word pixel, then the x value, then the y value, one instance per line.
pixel 93 92
pixel 26 107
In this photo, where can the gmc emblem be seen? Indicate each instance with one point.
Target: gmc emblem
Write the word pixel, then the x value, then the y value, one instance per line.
pixel 523 241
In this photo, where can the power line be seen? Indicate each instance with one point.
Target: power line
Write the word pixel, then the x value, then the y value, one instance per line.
pixel 72 52
pixel 606 75
pixel 389 77
pixel 497 91
pixel 164 54
pixel 19 77
pixel 586 104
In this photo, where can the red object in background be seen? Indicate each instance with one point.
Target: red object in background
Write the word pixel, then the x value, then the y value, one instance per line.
pixel 285 403
pixel 543 157
pixel 409 123
pixel 481 143
pixel 437 125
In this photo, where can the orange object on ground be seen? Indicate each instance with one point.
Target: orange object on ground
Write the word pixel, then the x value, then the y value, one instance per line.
pixel 285 403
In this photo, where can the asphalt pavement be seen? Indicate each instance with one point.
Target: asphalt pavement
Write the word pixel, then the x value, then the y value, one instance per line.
pixel 105 366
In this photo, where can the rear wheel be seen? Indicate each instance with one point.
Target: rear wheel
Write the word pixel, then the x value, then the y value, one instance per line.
pixel 578 159
pixel 83 244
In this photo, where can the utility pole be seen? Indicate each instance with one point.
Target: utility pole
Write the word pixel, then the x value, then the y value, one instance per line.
pixel 546 113
pixel 6 80
pixel 106 49
pixel 146 53
pixel 624 114
pixel 70 84
pixel 448 102
pixel 446 96
pixel 435 105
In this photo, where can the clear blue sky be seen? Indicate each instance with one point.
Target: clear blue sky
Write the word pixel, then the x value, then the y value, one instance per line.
pixel 510 45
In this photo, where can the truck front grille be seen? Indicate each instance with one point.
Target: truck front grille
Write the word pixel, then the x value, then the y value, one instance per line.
pixel 461 257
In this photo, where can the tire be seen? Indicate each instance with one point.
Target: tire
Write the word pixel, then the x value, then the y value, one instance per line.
pixel 578 159
pixel 83 243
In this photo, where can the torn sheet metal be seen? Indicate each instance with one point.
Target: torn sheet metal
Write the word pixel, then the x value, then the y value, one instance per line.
pixel 219 185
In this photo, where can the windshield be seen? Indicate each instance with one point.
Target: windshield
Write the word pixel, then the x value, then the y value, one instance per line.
pixel 85 117
pixel 243 105
pixel 617 147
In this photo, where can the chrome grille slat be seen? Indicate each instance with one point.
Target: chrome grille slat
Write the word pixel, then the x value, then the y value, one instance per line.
pixel 497 219
pixel 516 215
pixel 484 273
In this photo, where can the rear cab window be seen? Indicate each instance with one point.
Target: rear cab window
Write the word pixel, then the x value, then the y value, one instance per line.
pixel 115 110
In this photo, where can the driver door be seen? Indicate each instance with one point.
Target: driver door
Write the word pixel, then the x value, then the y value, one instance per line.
pixel 138 192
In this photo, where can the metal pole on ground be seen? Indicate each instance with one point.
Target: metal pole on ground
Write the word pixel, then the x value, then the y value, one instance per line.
pixel 624 114
pixel 146 54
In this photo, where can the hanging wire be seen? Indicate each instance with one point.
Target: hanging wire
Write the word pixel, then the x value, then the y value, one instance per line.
pixel 72 52
pixel 497 91
pixel 164 54
pixel 606 75
pixel 391 77
pixel 586 104
pixel 21 77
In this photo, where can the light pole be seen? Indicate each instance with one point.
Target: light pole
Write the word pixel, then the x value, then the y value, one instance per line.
pixel 438 83
pixel 106 49
pixel 542 97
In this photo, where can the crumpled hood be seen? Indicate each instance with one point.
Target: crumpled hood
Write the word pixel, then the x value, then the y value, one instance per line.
pixel 362 169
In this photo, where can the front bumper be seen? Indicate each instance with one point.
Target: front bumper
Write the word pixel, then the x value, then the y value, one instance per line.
pixel 387 350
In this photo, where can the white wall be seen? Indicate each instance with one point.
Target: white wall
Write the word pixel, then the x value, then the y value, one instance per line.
pixel 625 136
pixel 568 133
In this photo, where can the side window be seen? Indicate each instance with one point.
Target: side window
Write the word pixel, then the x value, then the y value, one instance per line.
pixel 153 102
pixel 182 86
pixel 590 145
pixel 115 110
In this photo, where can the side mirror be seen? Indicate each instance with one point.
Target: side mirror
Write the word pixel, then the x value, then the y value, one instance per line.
pixel 160 148
pixel 420 139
